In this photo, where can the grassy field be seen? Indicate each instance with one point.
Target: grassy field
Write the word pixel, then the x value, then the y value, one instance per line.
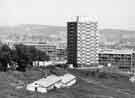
pixel 89 85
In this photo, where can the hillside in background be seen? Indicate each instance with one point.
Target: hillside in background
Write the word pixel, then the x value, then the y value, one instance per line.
pixel 115 35
pixel 29 32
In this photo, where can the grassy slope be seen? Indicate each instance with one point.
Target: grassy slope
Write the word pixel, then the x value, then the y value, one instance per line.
pixel 86 87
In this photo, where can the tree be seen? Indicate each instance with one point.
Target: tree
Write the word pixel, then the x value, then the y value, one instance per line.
pixel 22 56
pixel 25 55
pixel 42 56
pixel 5 57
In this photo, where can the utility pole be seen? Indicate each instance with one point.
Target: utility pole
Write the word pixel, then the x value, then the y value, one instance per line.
pixel 36 90
pixel 131 64
pixel 46 71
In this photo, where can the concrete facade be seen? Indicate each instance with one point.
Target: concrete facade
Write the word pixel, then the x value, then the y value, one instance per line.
pixel 82 44
pixel 122 59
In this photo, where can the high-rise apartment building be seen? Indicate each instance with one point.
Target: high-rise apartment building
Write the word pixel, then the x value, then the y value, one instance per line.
pixel 82 44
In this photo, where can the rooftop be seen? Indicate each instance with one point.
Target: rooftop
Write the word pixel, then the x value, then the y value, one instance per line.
pixel 67 77
pixel 115 51
pixel 46 82
pixel 82 19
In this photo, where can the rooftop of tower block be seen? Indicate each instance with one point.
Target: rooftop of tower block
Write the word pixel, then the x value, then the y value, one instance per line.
pixel 82 20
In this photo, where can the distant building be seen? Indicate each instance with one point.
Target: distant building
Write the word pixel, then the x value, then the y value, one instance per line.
pixel 61 54
pixel 56 51
pixel 61 51
pixel 82 43
pixel 48 48
pixel 10 43
pixel 61 45
pixel 123 59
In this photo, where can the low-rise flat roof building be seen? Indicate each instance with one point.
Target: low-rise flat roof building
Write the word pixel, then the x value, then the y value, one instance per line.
pixel 123 59
pixel 44 84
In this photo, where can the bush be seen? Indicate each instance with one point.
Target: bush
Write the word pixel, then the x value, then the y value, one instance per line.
pixel 102 75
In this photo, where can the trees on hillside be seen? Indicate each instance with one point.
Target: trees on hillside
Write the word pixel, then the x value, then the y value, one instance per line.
pixel 22 55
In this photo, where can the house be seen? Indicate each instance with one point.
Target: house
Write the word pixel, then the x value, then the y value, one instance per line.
pixel 68 80
pixel 45 84
pixel 51 82
pixel 132 79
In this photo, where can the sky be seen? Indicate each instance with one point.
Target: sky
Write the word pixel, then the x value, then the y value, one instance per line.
pixel 117 14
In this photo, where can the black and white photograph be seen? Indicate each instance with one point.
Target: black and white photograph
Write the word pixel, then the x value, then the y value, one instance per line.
pixel 67 48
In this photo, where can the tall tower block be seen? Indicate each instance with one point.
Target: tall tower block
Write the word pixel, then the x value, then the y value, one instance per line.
pixel 82 43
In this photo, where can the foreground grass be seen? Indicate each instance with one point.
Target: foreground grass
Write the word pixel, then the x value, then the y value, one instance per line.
pixel 100 85
pixel 115 85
